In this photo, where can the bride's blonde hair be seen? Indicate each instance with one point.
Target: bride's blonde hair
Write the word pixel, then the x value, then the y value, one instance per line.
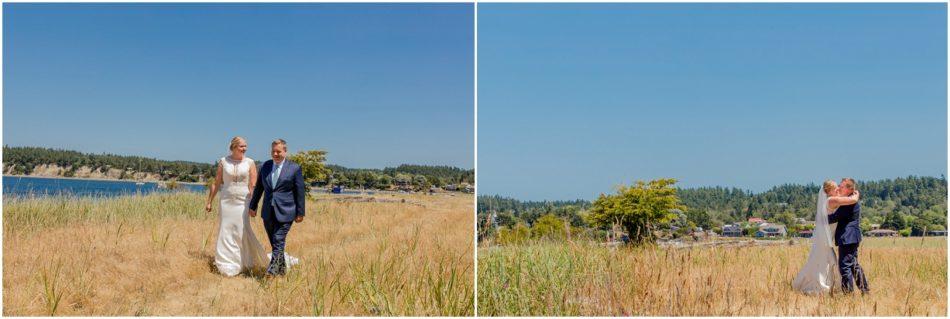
pixel 829 186
pixel 235 141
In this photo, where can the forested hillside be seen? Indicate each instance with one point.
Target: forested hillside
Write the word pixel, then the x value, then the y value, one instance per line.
pixel 24 160
pixel 907 202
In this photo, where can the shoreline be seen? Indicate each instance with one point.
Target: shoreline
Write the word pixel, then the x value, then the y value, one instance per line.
pixel 99 179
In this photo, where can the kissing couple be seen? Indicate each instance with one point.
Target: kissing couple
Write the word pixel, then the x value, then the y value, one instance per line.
pixel 282 186
pixel 838 216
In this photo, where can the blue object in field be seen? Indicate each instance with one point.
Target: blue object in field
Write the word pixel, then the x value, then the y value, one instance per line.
pixel 338 189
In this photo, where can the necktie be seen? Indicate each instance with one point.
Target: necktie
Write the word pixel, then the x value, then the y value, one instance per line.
pixel 274 175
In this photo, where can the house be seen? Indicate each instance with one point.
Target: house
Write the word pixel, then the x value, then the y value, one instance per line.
pixel 936 233
pixel 875 226
pixel 805 233
pixel 731 230
pixel 771 230
pixel 882 233
pixel 756 220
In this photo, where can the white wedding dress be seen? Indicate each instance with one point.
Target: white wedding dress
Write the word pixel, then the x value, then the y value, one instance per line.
pixel 820 272
pixel 237 248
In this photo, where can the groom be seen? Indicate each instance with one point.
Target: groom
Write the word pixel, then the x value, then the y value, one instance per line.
pixel 281 182
pixel 847 238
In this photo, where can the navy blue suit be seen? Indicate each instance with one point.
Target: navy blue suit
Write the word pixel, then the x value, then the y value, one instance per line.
pixel 282 204
pixel 847 238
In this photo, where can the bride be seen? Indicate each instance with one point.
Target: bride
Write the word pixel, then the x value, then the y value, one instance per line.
pixel 820 272
pixel 237 247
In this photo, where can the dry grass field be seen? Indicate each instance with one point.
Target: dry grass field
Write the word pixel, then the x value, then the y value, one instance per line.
pixel 908 277
pixel 153 255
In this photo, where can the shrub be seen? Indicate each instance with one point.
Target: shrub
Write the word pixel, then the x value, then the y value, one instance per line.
pixel 516 235
pixel 904 232
pixel 549 227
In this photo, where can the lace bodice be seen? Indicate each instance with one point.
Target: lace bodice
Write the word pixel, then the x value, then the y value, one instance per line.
pixel 235 175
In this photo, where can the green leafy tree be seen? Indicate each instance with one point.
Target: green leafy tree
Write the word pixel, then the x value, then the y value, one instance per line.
pixel 894 221
pixel 506 219
pixel 403 179
pixel 549 227
pixel 919 227
pixel 787 219
pixel 640 209
pixel 904 232
pixel 384 181
pixel 313 166
pixel 515 235
pixel 699 218
pixel 420 182
pixel 750 230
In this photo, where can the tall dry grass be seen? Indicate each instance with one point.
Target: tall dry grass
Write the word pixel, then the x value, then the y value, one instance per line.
pixel 153 255
pixel 908 277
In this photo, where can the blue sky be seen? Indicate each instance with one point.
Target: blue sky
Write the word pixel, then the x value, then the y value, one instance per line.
pixel 575 99
pixel 375 85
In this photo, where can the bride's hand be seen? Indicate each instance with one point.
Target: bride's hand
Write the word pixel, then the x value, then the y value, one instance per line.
pixel 208 207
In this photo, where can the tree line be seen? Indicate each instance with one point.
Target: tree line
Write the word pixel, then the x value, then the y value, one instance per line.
pixel 418 177
pixel 23 160
pixel 910 204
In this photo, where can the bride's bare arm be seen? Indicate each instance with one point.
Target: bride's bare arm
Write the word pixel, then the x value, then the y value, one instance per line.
pixel 218 180
pixel 253 178
pixel 838 201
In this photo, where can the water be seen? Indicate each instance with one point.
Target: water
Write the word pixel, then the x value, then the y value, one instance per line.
pixel 20 186
pixel 345 192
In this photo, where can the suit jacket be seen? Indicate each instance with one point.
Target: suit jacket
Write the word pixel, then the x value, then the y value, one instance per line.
pixel 849 224
pixel 285 201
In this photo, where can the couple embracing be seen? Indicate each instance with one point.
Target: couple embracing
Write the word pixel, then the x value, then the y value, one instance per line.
pixel 837 223
pixel 282 186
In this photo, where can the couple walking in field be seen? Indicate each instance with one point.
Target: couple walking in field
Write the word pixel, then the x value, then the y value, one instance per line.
pixel 837 222
pixel 282 186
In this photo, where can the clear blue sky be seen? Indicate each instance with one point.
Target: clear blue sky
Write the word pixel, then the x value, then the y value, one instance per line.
pixel 577 98
pixel 374 84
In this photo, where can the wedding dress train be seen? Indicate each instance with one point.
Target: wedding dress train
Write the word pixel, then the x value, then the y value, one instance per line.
pixel 820 273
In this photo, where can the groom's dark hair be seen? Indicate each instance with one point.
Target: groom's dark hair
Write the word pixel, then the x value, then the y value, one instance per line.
pixel 280 142
pixel 851 183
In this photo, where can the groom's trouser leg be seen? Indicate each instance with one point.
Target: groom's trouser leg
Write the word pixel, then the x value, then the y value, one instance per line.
pixel 270 226
pixel 860 279
pixel 278 260
pixel 847 259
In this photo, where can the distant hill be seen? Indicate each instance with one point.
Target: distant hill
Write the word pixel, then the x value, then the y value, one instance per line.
pixel 40 161
pixel 418 176
pixel 56 162
pixel 914 198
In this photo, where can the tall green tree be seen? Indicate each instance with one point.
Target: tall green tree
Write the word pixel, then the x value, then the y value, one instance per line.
pixel 640 209
pixel 549 227
pixel 787 219
pixel 313 165
pixel 699 217
pixel 894 221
